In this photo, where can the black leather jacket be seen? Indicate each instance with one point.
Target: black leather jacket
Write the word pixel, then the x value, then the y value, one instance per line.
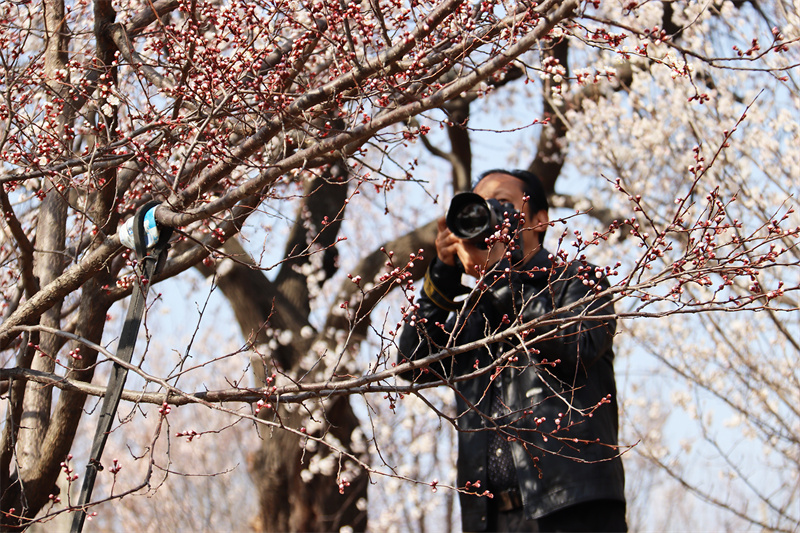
pixel 560 392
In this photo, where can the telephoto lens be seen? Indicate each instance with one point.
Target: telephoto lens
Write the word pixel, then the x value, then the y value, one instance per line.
pixel 474 219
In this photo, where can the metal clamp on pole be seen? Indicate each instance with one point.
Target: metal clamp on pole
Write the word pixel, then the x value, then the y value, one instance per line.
pixel 150 242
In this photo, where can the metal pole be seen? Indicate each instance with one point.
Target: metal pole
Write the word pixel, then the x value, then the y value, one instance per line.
pixel 127 342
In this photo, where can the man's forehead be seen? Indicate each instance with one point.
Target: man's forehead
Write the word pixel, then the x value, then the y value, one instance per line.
pixel 499 182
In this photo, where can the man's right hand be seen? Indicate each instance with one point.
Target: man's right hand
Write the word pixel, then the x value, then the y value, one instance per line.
pixel 449 247
pixel 447 244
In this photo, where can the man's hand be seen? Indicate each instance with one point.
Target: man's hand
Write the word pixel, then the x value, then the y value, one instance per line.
pixel 449 247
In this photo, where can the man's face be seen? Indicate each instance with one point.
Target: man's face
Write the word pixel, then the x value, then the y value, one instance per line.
pixel 503 188
pixel 508 189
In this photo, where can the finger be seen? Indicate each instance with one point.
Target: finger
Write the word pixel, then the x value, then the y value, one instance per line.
pixel 468 261
pixel 446 247
pixel 444 231
pixel 447 252
pixel 448 239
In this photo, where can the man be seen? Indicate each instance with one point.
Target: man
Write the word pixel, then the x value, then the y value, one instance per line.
pixel 536 411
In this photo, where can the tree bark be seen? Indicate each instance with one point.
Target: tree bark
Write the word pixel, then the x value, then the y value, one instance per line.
pixel 289 500
pixel 49 260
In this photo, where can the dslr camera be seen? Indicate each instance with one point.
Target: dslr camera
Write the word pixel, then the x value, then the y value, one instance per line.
pixel 474 218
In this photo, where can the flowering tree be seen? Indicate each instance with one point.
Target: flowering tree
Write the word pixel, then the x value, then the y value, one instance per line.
pixel 238 115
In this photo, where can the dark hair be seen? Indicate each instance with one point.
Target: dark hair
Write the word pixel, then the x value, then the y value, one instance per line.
pixel 537 198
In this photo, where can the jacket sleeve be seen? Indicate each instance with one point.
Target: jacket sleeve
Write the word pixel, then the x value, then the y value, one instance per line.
pixel 425 331
pixel 580 339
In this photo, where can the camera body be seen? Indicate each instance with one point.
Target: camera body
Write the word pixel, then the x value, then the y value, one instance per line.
pixel 474 218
